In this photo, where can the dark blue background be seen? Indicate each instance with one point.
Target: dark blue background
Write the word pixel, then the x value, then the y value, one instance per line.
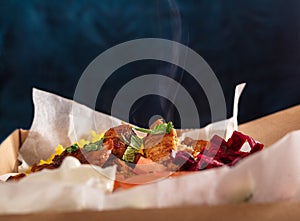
pixel 48 44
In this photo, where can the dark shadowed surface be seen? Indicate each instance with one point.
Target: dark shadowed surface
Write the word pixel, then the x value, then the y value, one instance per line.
pixel 48 44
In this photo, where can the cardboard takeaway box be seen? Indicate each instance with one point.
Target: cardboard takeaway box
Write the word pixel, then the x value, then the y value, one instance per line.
pixel 266 130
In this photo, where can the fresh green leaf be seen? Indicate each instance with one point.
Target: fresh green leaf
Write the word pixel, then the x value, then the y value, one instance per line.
pixel 133 148
pixel 163 128
pixel 169 127
pixel 148 131
pixel 129 154
pixel 100 142
pixel 90 147
pixel 72 148
pixel 94 146
pixel 159 129
pixel 124 139
pixel 136 142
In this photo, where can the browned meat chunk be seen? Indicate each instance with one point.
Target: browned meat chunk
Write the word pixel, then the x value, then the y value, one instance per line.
pixel 115 139
pixel 197 145
pixel 16 177
pixel 123 169
pixel 58 159
pixel 97 157
pixel 158 147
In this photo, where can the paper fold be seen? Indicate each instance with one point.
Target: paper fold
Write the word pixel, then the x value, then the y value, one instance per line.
pixel 61 121
pixel 267 176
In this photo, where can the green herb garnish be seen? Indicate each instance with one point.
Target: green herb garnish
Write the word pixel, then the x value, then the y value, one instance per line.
pixel 163 128
pixel 129 154
pixel 124 139
pixel 94 146
pixel 148 131
pixel 136 142
pixel 170 127
pixel 133 148
pixel 72 148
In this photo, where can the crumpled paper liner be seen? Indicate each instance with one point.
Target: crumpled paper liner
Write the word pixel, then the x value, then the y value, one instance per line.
pixel 53 124
pixel 73 172
pixel 67 188
pixel 36 197
pixel 61 121
pixel 267 176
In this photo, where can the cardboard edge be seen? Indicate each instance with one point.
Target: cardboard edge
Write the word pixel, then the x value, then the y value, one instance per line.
pixel 271 128
pixel 9 150
pixel 23 136
pixel 265 212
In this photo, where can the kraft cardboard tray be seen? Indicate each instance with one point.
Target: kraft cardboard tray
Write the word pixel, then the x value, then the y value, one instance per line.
pixel 267 130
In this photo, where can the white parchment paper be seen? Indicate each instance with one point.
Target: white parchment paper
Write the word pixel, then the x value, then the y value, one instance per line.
pixel 267 176
pixel 67 188
pixel 61 121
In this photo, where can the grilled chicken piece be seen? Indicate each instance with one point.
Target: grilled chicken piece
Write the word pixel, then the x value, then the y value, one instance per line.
pixel 58 159
pixel 113 145
pixel 97 157
pixel 197 145
pixel 117 132
pixel 158 147
pixel 123 169
pixel 114 139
